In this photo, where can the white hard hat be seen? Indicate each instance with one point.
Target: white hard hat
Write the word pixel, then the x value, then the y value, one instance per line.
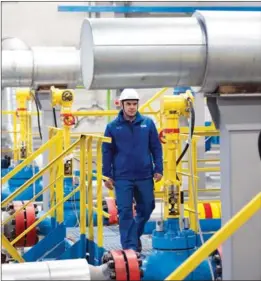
pixel 129 94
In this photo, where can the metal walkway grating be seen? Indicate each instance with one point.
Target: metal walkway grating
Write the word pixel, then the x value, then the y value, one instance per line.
pixel 111 238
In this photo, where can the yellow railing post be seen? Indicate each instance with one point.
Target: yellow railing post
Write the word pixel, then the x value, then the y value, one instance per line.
pixel 59 190
pixel 99 194
pixel 52 176
pixel 90 197
pixel 83 194
pixel 193 186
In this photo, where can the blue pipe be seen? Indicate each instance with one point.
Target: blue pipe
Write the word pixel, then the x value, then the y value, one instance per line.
pixel 152 9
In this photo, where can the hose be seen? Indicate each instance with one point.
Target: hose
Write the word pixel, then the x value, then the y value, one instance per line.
pixel 191 130
pixel 54 118
pixel 259 144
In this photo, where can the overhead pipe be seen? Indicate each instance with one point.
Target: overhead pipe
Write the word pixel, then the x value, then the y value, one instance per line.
pixel 203 51
pixel 41 66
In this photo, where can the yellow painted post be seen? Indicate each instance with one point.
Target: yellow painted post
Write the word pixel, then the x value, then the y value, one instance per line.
pixel 59 184
pixel 194 207
pixel 83 185
pixel 99 194
pixel 90 199
pixel 11 249
pixel 51 154
pixel 83 195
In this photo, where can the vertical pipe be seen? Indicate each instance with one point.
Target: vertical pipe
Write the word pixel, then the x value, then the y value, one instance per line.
pixel 52 187
pixel 89 196
pixel 15 146
pixel 172 121
pixel 83 195
pixel 99 194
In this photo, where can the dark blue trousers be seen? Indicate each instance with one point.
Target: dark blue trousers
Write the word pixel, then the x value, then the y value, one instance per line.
pixel 131 228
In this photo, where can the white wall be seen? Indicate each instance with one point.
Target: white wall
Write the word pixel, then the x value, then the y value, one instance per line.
pixel 39 23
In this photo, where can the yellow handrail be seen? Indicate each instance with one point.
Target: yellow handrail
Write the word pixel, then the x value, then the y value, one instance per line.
pixel 151 100
pixel 217 239
pixel 29 159
pixel 30 201
pixel 11 249
pixel 39 174
pixel 45 215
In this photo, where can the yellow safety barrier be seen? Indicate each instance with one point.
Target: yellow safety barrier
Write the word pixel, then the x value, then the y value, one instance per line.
pixel 55 166
pixel 217 239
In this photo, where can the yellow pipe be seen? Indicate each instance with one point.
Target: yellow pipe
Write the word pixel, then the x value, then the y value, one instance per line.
pixel 82 185
pixel 188 175
pixel 152 99
pixel 102 113
pixel 203 160
pixel 90 198
pixel 15 146
pixel 6 112
pixel 99 195
pixel 217 239
pixel 29 159
pixel 44 216
pixel 38 175
pixel 11 249
pixel 209 169
pixel 28 202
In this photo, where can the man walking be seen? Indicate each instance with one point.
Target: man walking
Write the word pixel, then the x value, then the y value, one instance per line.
pixel 131 161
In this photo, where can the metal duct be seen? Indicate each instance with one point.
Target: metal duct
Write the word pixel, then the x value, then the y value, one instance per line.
pixel 75 269
pixel 145 52
pixel 206 50
pixel 234 47
pixel 41 67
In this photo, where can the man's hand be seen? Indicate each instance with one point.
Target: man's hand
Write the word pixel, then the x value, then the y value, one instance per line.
pixel 109 184
pixel 157 177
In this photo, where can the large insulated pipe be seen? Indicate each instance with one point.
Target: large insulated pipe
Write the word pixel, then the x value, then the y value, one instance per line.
pixel 41 66
pixel 74 269
pixel 203 51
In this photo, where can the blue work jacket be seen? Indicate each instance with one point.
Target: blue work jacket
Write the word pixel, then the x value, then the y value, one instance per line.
pixel 135 151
